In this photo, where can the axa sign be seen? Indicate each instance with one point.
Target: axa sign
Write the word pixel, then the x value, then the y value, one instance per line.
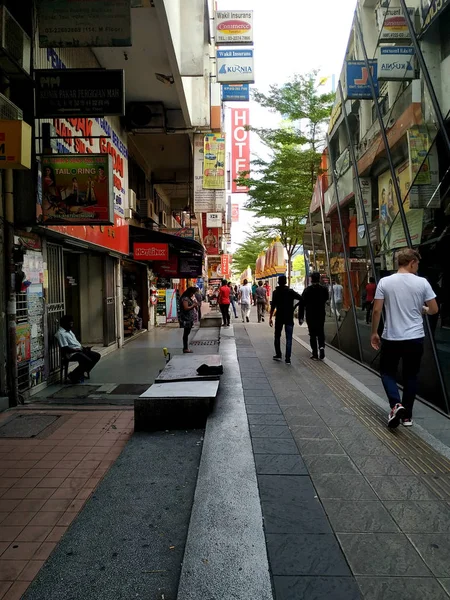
pixel 235 66
pixel 358 80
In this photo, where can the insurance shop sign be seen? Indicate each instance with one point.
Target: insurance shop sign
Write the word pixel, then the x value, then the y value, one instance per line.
pixel 235 66
pixel 234 27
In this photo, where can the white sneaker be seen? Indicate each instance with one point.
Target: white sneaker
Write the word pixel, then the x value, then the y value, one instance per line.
pixel 395 416
pixel 407 422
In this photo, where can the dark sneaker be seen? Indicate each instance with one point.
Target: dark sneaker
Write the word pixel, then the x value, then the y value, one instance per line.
pixel 314 357
pixel 263 319
pixel 322 353
pixel 276 357
pixel 407 422
pixel 288 361
pixel 248 320
pixel 395 416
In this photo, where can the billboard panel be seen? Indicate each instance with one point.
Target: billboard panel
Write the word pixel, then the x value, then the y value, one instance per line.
pixel 214 162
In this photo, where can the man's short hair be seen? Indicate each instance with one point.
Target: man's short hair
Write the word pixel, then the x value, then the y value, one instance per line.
pixel 406 255
pixel 315 277
pixel 245 281
pixel 282 280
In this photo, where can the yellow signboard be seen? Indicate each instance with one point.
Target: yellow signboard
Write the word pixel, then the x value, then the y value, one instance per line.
pixel 214 162
pixel 15 145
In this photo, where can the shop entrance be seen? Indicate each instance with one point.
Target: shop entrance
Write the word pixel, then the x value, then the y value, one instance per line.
pixel 135 298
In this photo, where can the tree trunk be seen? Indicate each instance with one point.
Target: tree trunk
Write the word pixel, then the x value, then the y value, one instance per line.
pixel 289 265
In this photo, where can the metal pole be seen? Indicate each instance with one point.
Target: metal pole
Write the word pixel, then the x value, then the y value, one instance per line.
pixel 347 263
pixel 358 182
pixel 312 239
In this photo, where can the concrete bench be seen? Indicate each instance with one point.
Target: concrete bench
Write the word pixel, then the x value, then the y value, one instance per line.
pixel 176 405
pixel 184 368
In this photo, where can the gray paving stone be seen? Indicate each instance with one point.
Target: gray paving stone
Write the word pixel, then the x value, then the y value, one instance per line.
pixel 357 441
pixel 257 384
pixel 311 432
pixel 294 517
pixel 400 488
pixel 261 409
pixel 360 516
pixel 280 464
pixel 294 412
pixel 270 431
pixel 445 584
pixel 316 588
pixel 266 419
pixel 414 516
pixel 318 447
pixel 258 394
pixel 330 464
pixel 434 548
pixel 282 489
pixel 401 588
pixel 260 400
pixel 340 420
pixel 343 486
pixel 381 465
pixel 274 446
pixel 306 554
pixel 382 554
pixel 305 421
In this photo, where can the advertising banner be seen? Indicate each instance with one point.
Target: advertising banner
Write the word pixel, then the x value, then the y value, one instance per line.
pixel 214 162
pixel 234 27
pixel 214 219
pixel 396 62
pixel 15 144
pixel 168 268
pixel 143 251
pixel 366 189
pixel 204 200
pixel 79 93
pixel 210 237
pixel 72 24
pixel 171 306
pixel 235 66
pixel 237 92
pixel 392 24
pixel 418 147
pixel 23 342
pixel 183 232
pixel 77 189
pixel 430 10
pixel 358 85
pixel 225 265
pixel 235 213
pixel 240 147
pixel 317 198
pixel 190 266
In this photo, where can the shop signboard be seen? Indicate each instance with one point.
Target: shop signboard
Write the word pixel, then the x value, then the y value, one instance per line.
pixel 235 213
pixel 73 24
pixel 225 265
pixel 358 84
pixel 168 268
pixel 213 219
pixel 366 190
pixel 240 147
pixel 190 266
pixel 182 232
pixel 79 93
pixel 235 66
pixel 77 189
pixel 171 306
pixel 396 62
pixel 234 27
pixel 161 306
pixel 418 147
pixel 210 237
pixel 146 251
pixel 430 11
pixel 237 92
pixel 204 199
pixel 392 23
pixel 23 342
pixel 214 161
pixel 15 144
pixel 317 199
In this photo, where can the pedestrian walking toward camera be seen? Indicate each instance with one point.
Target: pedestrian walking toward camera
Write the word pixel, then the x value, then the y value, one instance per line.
pixel 246 299
pixel 337 299
pixel 261 301
pixel 406 298
pixel 283 304
pixel 224 302
pixel 188 308
pixel 313 303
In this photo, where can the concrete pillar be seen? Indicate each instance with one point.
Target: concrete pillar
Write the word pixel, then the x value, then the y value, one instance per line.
pixel 91 299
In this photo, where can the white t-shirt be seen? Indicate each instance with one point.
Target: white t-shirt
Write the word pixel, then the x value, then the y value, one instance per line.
pixel 67 338
pixel 337 292
pixel 404 295
pixel 246 293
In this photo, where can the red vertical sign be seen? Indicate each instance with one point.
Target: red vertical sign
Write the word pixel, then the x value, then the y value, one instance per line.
pixel 225 264
pixel 235 213
pixel 240 146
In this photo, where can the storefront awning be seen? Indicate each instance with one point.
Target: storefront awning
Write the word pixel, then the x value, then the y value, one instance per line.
pixel 177 244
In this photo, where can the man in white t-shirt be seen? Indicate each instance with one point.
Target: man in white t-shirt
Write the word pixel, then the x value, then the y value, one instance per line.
pixel 246 298
pixel 406 297
pixel 338 297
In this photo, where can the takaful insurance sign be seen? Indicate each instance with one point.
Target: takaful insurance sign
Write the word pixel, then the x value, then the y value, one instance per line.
pixel 234 27
pixel 235 66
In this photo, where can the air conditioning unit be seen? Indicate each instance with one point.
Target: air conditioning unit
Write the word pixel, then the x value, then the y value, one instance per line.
pixel 128 213
pixel 15 45
pixel 9 111
pixel 132 199
pixel 151 212
pixel 146 116
pixel 163 218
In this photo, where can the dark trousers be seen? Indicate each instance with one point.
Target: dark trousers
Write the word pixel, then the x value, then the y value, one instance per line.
pixel 261 310
pixel 289 330
pixel 410 353
pixel 316 335
pixel 186 332
pixel 369 309
pixel 225 310
pixel 87 359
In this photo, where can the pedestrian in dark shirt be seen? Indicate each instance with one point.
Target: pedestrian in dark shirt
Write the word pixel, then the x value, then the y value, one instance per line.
pixel 313 302
pixel 283 302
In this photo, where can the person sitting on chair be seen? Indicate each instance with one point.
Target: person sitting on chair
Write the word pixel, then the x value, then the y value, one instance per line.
pixel 73 350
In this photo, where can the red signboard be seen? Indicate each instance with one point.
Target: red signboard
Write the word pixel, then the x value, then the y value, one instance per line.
pixel 114 237
pixel 210 238
pixel 235 213
pixel 150 251
pixel 225 265
pixel 240 146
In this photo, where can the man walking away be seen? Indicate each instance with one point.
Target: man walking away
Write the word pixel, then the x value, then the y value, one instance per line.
pixel 224 302
pixel 370 296
pixel 338 296
pixel 233 299
pixel 283 303
pixel 246 299
pixel 406 298
pixel 313 302
pixel 261 301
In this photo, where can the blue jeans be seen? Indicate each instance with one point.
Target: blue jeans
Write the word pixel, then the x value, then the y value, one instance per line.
pixel 233 304
pixel 410 353
pixel 289 330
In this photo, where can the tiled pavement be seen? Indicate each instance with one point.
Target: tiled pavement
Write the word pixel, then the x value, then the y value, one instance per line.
pixel 44 484
pixel 344 517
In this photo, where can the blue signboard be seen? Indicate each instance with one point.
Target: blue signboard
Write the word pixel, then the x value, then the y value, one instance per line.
pixel 239 92
pixel 358 84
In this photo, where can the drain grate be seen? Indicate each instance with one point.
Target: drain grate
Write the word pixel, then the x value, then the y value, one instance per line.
pixel 26 426
pixel 432 468
pixel 204 343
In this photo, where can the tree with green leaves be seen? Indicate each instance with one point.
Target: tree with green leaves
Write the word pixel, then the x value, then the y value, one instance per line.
pixel 280 187
pixel 247 252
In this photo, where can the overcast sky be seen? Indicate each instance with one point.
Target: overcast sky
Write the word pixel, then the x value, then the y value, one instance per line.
pixel 291 36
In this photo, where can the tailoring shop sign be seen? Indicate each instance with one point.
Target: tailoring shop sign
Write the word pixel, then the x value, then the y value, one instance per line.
pixel 358 83
pixel 79 93
pixel 150 251
pixel 77 189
